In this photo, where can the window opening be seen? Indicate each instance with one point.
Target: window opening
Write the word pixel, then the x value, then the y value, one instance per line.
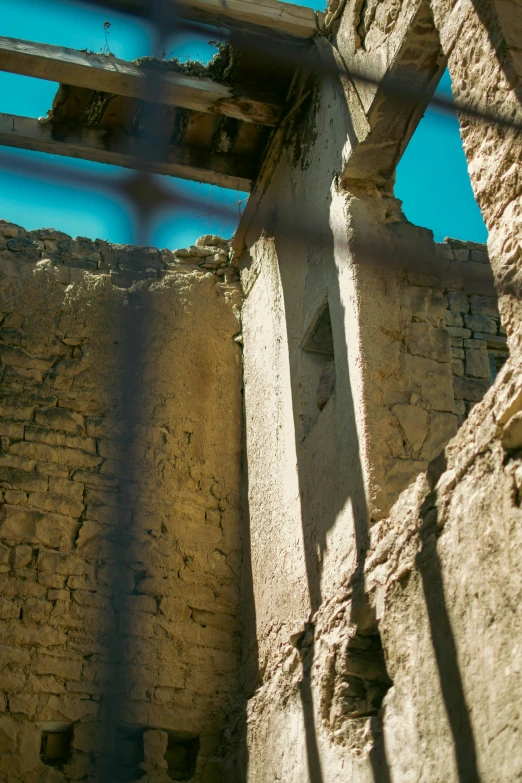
pixel 432 177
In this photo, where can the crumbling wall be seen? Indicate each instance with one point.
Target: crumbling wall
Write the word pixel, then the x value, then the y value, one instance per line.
pixel 351 390
pixel 120 421
pixel 482 40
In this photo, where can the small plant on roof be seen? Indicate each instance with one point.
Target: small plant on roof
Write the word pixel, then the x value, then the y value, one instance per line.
pixel 106 49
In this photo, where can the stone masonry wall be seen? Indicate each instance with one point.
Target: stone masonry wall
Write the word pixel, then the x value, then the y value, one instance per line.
pixel 120 424
pixel 478 339
pixel 452 347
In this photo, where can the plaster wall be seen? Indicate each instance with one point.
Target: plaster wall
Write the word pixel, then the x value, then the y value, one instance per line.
pixel 324 705
pixel 120 472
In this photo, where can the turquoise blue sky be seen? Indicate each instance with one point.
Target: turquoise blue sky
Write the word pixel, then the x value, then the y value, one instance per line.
pixel 432 180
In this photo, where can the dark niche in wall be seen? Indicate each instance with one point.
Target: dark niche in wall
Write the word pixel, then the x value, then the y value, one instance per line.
pixel 317 367
pixel 55 748
pixel 181 757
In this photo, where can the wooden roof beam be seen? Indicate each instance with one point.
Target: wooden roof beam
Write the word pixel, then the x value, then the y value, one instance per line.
pixel 226 171
pixel 111 75
pixel 278 17
pixel 267 16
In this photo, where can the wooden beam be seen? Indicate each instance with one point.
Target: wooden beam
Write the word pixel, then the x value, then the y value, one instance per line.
pixel 278 17
pixel 108 74
pixel 268 16
pixel 226 171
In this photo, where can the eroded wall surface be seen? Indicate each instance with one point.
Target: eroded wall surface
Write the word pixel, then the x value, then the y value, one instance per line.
pixel 366 346
pixel 120 419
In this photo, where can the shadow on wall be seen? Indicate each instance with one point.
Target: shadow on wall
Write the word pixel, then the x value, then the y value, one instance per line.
pixel 442 636
pixel 329 465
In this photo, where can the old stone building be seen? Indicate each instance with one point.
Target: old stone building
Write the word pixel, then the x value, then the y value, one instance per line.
pixel 260 510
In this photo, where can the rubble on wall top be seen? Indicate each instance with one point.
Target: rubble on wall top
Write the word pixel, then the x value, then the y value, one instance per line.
pixel 127 264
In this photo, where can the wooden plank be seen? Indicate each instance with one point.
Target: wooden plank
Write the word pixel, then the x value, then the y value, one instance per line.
pixel 283 18
pixel 108 74
pixel 268 16
pixel 226 171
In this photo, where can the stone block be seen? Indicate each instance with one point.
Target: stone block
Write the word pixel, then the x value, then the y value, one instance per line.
pixel 493 340
pixel 457 331
pixel 59 454
pixel 61 486
pixel 457 353
pixel 457 367
pixel 484 305
pixel 23 703
pixel 15 497
pixel 430 342
pixel 58 595
pixel 459 408
pixel 65 668
pixel 46 684
pixel 59 503
pixel 470 389
pixel 453 319
pixel 10 429
pixel 414 423
pixel 37 527
pixel 60 419
pixel 13 681
pixel 429 379
pixel 91 479
pixel 480 256
pixel 457 342
pixel 13 656
pixel 61 563
pixel 458 301
pixel 36 611
pixel 423 304
pixel 477 363
pixel 475 344
pixel 42 435
pixel 18 410
pixel 139 603
pixel 46 579
pixel 17 632
pixel 50 469
pixel 19 357
pixel 5 554
pixel 9 610
pixel 154 748
pixel 481 323
pixel 22 556
pixel 14 461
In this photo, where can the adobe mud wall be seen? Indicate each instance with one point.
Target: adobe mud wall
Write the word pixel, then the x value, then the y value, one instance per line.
pixel 120 422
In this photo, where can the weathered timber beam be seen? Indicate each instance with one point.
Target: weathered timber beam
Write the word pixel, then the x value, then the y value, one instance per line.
pixel 278 17
pixel 226 171
pixel 269 16
pixel 108 74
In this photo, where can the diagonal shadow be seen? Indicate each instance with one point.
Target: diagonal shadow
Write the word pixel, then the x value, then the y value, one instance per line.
pixel 443 638
pixel 329 484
